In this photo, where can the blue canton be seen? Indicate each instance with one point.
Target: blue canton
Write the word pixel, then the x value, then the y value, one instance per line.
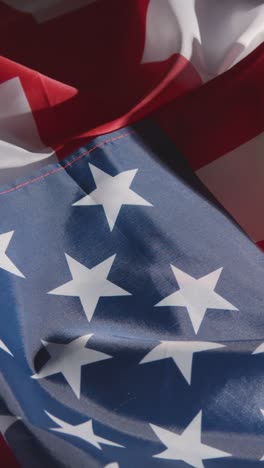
pixel 132 315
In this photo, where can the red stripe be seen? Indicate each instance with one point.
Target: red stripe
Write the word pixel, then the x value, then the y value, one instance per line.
pixel 65 117
pixel 101 87
pixel 219 116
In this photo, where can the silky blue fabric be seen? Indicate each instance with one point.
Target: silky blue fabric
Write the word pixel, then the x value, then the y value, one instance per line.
pixel 184 227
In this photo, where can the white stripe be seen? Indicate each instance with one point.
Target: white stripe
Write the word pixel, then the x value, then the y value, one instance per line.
pixel 21 149
pixel 212 34
pixel 237 181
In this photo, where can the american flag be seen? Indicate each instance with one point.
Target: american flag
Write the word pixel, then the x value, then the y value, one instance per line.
pixel 131 285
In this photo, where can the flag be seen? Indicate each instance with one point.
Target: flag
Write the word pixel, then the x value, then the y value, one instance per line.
pixel 131 234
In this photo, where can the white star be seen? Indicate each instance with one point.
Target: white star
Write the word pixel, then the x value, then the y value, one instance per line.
pixel 187 447
pixel 5 348
pixel 6 421
pixel 89 284
pixel 197 295
pixel 83 431
pixel 112 465
pixel 181 352
pixel 68 359
pixel 259 349
pixel 5 261
pixel 112 192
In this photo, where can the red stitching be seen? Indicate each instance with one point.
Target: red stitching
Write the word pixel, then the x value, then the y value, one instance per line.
pixel 67 165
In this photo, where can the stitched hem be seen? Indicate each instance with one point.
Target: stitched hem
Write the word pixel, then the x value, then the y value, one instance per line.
pixel 70 163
